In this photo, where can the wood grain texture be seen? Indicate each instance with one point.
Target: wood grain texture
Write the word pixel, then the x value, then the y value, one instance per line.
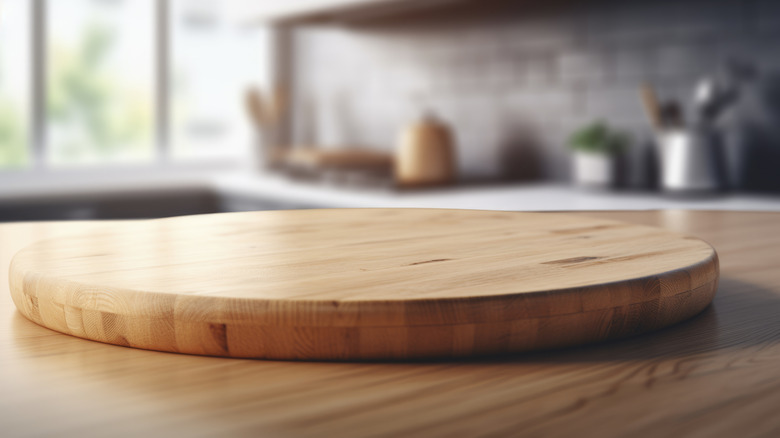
pixel 715 375
pixel 363 284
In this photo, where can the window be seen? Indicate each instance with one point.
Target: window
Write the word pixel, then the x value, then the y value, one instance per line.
pixel 15 74
pixel 100 81
pixel 213 63
pixel 125 82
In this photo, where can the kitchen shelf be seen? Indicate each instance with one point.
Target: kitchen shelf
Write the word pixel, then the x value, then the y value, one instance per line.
pixel 328 11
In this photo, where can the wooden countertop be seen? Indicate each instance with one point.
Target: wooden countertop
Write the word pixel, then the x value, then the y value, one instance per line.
pixel 716 375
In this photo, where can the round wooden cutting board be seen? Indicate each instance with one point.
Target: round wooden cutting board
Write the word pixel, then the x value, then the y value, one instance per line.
pixel 363 284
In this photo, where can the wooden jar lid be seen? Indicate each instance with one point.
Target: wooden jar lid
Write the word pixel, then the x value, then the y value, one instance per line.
pixel 363 284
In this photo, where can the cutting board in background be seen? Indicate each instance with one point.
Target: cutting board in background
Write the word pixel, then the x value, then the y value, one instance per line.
pixel 363 284
pixel 315 158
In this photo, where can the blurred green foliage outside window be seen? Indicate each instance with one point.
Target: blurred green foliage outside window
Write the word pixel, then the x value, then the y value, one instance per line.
pixel 100 81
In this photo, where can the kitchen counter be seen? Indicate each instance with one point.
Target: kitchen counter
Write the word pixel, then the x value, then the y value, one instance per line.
pixel 508 197
pixel 715 375
pixel 246 191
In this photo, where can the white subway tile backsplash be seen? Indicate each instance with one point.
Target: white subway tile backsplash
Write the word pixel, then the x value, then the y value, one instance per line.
pixel 519 81
pixel 585 67
pixel 765 16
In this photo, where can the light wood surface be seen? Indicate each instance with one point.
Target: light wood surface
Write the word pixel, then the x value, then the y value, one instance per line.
pixel 363 284
pixel 715 375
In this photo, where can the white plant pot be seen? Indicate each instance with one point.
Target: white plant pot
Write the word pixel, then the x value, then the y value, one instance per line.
pixel 594 170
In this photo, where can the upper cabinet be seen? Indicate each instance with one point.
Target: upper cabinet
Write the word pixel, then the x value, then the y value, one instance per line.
pixel 317 11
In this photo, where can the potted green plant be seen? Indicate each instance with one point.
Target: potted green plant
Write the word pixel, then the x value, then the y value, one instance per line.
pixel 596 148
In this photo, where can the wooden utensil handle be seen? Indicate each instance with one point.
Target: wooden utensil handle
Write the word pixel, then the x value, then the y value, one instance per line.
pixel 652 107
